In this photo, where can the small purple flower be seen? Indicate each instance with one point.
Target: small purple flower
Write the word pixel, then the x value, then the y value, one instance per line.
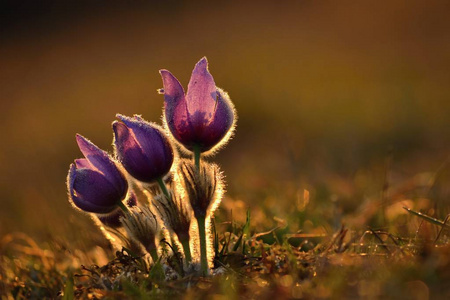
pixel 95 183
pixel 142 148
pixel 204 116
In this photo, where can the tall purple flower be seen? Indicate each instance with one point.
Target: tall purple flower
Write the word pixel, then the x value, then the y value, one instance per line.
pixel 203 117
pixel 143 149
pixel 95 183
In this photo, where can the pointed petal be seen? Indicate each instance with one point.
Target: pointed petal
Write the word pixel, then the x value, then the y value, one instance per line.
pixel 173 90
pixel 128 150
pixel 102 162
pixel 201 96
pixel 97 157
pixel 83 163
pixel 175 109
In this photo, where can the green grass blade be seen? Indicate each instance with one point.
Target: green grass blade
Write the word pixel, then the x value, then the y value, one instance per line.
pixel 216 238
pixel 427 218
pixel 238 242
pixel 68 290
pixel 246 229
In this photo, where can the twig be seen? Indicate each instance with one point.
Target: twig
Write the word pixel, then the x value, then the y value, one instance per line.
pixel 442 228
pixel 381 241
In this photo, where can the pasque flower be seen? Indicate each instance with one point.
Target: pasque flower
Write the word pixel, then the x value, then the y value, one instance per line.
pixel 177 217
pixel 95 183
pixel 142 227
pixel 143 149
pixel 202 118
pixel 204 187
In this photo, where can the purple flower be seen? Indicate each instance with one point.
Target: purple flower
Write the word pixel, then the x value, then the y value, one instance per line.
pixel 95 183
pixel 204 116
pixel 142 148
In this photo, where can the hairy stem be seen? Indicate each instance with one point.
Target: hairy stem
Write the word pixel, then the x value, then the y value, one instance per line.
pixel 163 188
pixel 203 253
pixel 123 207
pixel 187 251
pixel 197 157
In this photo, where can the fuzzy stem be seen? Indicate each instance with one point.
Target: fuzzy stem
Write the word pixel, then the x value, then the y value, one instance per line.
pixel 203 253
pixel 123 207
pixel 163 188
pixel 197 156
pixel 187 251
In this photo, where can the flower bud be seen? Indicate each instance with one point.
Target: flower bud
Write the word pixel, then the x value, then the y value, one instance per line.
pixel 175 214
pixel 204 117
pixel 142 148
pixel 204 186
pixel 95 183
pixel 142 227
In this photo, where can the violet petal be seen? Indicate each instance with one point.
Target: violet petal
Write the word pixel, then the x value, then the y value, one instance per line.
pixel 92 192
pixel 142 149
pixel 221 123
pixel 175 108
pixel 149 138
pixel 102 162
pixel 201 96
pixel 83 163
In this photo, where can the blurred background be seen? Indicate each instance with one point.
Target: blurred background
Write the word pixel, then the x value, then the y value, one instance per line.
pixel 347 100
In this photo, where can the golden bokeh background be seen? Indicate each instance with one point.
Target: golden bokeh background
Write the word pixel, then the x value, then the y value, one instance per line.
pixel 325 92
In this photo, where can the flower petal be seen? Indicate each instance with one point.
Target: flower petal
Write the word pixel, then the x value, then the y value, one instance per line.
pixel 149 138
pixel 100 160
pixel 221 123
pixel 91 191
pixel 201 96
pixel 143 151
pixel 175 108
pixel 173 90
pixel 128 150
pixel 83 163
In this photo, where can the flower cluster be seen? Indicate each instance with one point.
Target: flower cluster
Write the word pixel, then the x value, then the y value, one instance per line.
pixel 181 190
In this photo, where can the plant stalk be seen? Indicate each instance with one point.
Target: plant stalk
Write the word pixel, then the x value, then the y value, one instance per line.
pixel 203 252
pixel 153 254
pixel 163 187
pixel 197 157
pixel 187 251
pixel 123 207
